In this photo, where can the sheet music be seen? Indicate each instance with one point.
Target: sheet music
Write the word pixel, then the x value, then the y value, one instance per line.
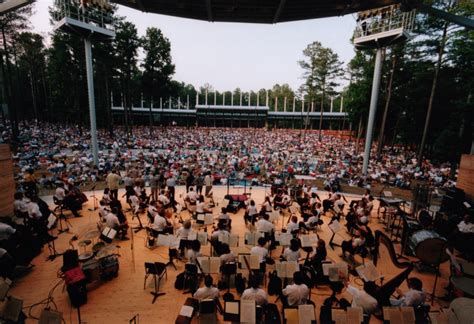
pixel 287 269
pixel 306 314
pixel 251 238
pixel 233 240
pixel 186 311
pixel 247 311
pixel 202 238
pixel 192 236
pixel 231 308
pixel 309 240
pixel 368 272
pixel 163 240
pixel 168 240
pixel 283 238
pixel 51 221
pixel 200 218
pixel 274 216
pixel 223 238
pixel 335 226
pixel 109 232
pixel 253 260
pixel 208 220
pixel 214 264
pixel 333 270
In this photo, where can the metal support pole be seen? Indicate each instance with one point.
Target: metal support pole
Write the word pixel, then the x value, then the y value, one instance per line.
pixel 223 98
pixel 373 109
pixel 90 90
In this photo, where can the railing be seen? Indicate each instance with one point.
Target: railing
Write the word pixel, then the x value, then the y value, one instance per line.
pixel 384 20
pixel 91 14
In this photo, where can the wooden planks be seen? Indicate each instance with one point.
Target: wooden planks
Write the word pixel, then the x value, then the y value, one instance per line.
pixel 7 184
pixel 465 179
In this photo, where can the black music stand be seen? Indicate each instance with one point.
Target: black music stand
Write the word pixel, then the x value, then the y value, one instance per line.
pixel 140 225
pixel 440 258
pixel 173 254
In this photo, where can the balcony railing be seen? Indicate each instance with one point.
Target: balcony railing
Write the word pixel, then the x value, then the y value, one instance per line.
pixel 91 14
pixel 382 20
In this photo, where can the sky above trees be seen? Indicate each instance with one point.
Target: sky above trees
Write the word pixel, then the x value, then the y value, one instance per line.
pixel 230 55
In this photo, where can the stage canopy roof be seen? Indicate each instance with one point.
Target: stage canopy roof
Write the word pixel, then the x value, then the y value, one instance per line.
pixel 254 11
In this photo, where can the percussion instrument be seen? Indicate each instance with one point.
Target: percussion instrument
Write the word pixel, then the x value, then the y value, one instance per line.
pixel 109 267
pixel 428 246
pixel 425 218
pixel 91 235
pixel 97 247
pixel 86 256
pixel 107 251
pixel 84 243
pixel 91 269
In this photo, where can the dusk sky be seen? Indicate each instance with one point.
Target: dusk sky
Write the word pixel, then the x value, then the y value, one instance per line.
pixel 230 55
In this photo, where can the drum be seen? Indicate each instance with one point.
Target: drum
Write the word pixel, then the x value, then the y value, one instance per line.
pixel 97 247
pixel 85 256
pixel 428 246
pixel 92 270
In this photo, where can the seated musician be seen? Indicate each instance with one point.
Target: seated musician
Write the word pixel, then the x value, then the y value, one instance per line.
pixel 266 227
pixel 363 297
pixel 353 204
pixel 281 201
pixel 164 199
pixel 191 197
pixel 103 209
pixel 292 253
pixel 293 226
pixel 266 206
pixel 316 260
pixel 261 251
pixel 251 213
pixel 352 246
pixel 227 255
pixel 135 203
pixel 312 221
pixel 296 293
pixel 182 233
pixel 159 224
pixel 194 252
pixel 224 218
pixel 201 205
pixel 20 207
pixel 208 291
pixel 106 196
pixel 254 292
pixel 329 203
pixel 112 221
pixel 67 198
pixel 414 296
pixel 220 230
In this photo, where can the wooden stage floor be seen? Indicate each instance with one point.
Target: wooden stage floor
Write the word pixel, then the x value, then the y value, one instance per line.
pixel 118 300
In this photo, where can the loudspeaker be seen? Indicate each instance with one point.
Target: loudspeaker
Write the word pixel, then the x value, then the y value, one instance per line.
pixel 77 293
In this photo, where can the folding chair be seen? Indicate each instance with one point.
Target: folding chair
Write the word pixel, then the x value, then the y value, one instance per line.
pixel 207 311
